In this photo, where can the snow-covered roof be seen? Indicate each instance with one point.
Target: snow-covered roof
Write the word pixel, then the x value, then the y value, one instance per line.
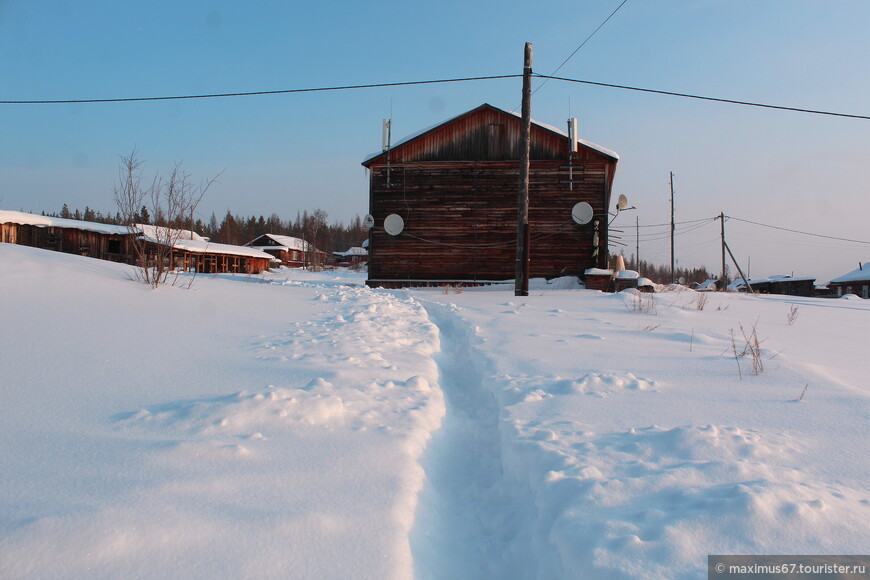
pixel 354 251
pixel 776 278
pixel 862 273
pixel 589 144
pixel 189 241
pixel 627 275
pixel 30 219
pixel 152 233
pixel 598 272
pixel 283 243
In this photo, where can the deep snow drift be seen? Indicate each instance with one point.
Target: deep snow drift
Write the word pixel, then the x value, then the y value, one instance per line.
pixel 301 425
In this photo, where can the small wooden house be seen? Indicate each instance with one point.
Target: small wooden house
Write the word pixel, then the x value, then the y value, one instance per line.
pixel 455 189
pixel 95 240
pixel 855 282
pixel 291 252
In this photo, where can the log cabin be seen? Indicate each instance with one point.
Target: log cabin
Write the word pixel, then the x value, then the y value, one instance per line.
pixel 454 188
pixel 95 240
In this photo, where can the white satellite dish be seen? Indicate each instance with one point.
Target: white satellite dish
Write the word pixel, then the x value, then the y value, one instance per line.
pixel 622 203
pixel 368 221
pixel 582 213
pixel 394 224
pixel 682 280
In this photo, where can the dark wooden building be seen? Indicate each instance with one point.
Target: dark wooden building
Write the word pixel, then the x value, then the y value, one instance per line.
pixel 779 284
pixel 455 189
pixel 95 240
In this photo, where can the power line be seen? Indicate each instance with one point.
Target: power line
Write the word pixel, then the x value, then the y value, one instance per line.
pixel 425 82
pixel 668 224
pixel 582 44
pixel 257 93
pixel 798 231
pixel 703 98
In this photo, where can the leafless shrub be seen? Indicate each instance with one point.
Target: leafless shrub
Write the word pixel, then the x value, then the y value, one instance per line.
pixel 736 356
pixel 792 314
pixel 649 327
pixel 701 300
pixel 455 289
pixel 637 301
pixel 171 200
pixel 752 349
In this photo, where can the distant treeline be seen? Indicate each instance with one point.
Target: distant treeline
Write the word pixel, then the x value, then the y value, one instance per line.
pixel 238 230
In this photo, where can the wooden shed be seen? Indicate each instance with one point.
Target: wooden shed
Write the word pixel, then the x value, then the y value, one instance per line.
pixel 95 240
pixel 455 188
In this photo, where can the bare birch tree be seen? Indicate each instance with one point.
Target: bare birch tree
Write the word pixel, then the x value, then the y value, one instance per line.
pixel 171 200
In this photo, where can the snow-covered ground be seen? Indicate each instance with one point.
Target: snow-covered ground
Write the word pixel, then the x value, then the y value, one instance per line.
pixel 299 425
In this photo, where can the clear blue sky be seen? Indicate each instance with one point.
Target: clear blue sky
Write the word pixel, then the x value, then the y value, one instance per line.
pixel 287 153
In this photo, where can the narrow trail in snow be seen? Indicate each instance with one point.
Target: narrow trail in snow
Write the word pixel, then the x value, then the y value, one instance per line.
pixel 469 520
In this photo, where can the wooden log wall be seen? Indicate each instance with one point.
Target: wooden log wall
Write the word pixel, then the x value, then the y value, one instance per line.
pixel 460 219
pixel 111 247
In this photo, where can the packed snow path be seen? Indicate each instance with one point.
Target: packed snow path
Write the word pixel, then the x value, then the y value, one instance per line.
pixel 470 521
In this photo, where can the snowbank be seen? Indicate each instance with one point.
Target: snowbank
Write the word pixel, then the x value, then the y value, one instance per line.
pixel 300 425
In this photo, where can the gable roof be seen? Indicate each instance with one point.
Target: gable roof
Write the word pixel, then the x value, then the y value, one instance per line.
pixel 486 106
pixel 282 243
pixel 862 273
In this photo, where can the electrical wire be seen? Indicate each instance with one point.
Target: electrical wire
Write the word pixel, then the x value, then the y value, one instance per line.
pixel 426 82
pixel 256 93
pixel 798 231
pixel 565 226
pixel 669 223
pixel 703 98
pixel 582 44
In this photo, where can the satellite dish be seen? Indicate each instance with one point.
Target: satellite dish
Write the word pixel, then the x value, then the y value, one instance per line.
pixel 369 221
pixel 622 203
pixel 394 224
pixel 582 213
pixel 682 280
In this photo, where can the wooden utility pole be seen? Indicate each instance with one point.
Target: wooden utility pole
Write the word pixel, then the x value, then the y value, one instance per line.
pixel 724 282
pixel 637 244
pixel 521 287
pixel 739 271
pixel 673 227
